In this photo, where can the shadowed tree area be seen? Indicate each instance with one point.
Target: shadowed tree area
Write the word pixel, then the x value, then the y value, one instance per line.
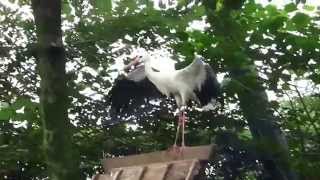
pixel 59 60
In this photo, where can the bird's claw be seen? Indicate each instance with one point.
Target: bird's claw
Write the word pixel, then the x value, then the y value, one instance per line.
pixel 177 151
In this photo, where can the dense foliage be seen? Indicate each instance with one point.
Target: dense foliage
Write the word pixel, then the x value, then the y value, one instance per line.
pixel 279 45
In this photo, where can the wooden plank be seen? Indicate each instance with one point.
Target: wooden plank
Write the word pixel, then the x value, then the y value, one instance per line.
pixel 180 170
pixel 115 174
pixel 173 170
pixel 193 170
pixel 196 152
pixel 156 171
pixel 132 173
pixel 101 177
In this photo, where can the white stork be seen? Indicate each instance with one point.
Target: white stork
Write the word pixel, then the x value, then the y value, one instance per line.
pixel 196 82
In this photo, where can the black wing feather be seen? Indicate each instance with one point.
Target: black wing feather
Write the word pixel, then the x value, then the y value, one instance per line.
pixel 210 89
pixel 130 92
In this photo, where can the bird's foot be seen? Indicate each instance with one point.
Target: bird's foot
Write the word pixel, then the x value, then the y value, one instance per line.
pixel 181 150
pixel 174 148
pixel 177 151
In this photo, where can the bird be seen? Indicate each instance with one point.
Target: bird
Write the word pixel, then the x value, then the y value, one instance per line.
pixel 130 90
pixel 197 82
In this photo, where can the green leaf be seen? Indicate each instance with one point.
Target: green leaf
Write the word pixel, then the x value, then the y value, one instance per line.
pixel 309 8
pixel 315 78
pixel 215 52
pixel 245 135
pixel 251 7
pixel 290 7
pixel 66 7
pixel 6 114
pixel 285 86
pixel 182 35
pixel 231 86
pixel 21 102
pixel 272 10
pixel 301 20
pixel 306 43
pixel 239 59
pixel 104 6
pixel 276 22
pixel 186 49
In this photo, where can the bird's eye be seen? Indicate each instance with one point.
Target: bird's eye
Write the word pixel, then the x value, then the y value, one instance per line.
pixel 140 56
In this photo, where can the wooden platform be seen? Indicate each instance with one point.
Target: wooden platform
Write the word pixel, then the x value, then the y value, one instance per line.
pixel 161 165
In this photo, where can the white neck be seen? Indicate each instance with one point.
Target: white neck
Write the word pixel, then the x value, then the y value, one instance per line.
pixel 153 76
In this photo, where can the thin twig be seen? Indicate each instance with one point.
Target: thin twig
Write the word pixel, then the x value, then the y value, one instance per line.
pixel 299 127
pixel 307 111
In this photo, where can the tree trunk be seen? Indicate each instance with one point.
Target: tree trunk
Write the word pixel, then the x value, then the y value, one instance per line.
pixel 271 143
pixel 62 163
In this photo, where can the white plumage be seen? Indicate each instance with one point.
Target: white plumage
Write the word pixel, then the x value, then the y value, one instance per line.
pixel 196 82
pixel 181 84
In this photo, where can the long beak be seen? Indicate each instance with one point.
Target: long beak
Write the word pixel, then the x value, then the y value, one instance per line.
pixel 135 62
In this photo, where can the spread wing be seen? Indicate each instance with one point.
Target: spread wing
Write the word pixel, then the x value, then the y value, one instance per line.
pixel 200 77
pixel 129 93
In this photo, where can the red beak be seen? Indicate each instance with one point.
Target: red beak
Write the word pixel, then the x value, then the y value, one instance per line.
pixel 134 63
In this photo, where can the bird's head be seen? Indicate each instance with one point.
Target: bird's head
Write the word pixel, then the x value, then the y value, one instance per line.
pixel 144 58
pixel 141 59
pixel 148 62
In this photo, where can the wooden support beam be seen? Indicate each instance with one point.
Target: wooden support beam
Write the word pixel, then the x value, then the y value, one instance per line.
pixel 173 170
pixel 197 152
pixel 161 165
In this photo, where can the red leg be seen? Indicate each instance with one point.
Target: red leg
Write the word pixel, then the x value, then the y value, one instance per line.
pixel 178 130
pixel 183 125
